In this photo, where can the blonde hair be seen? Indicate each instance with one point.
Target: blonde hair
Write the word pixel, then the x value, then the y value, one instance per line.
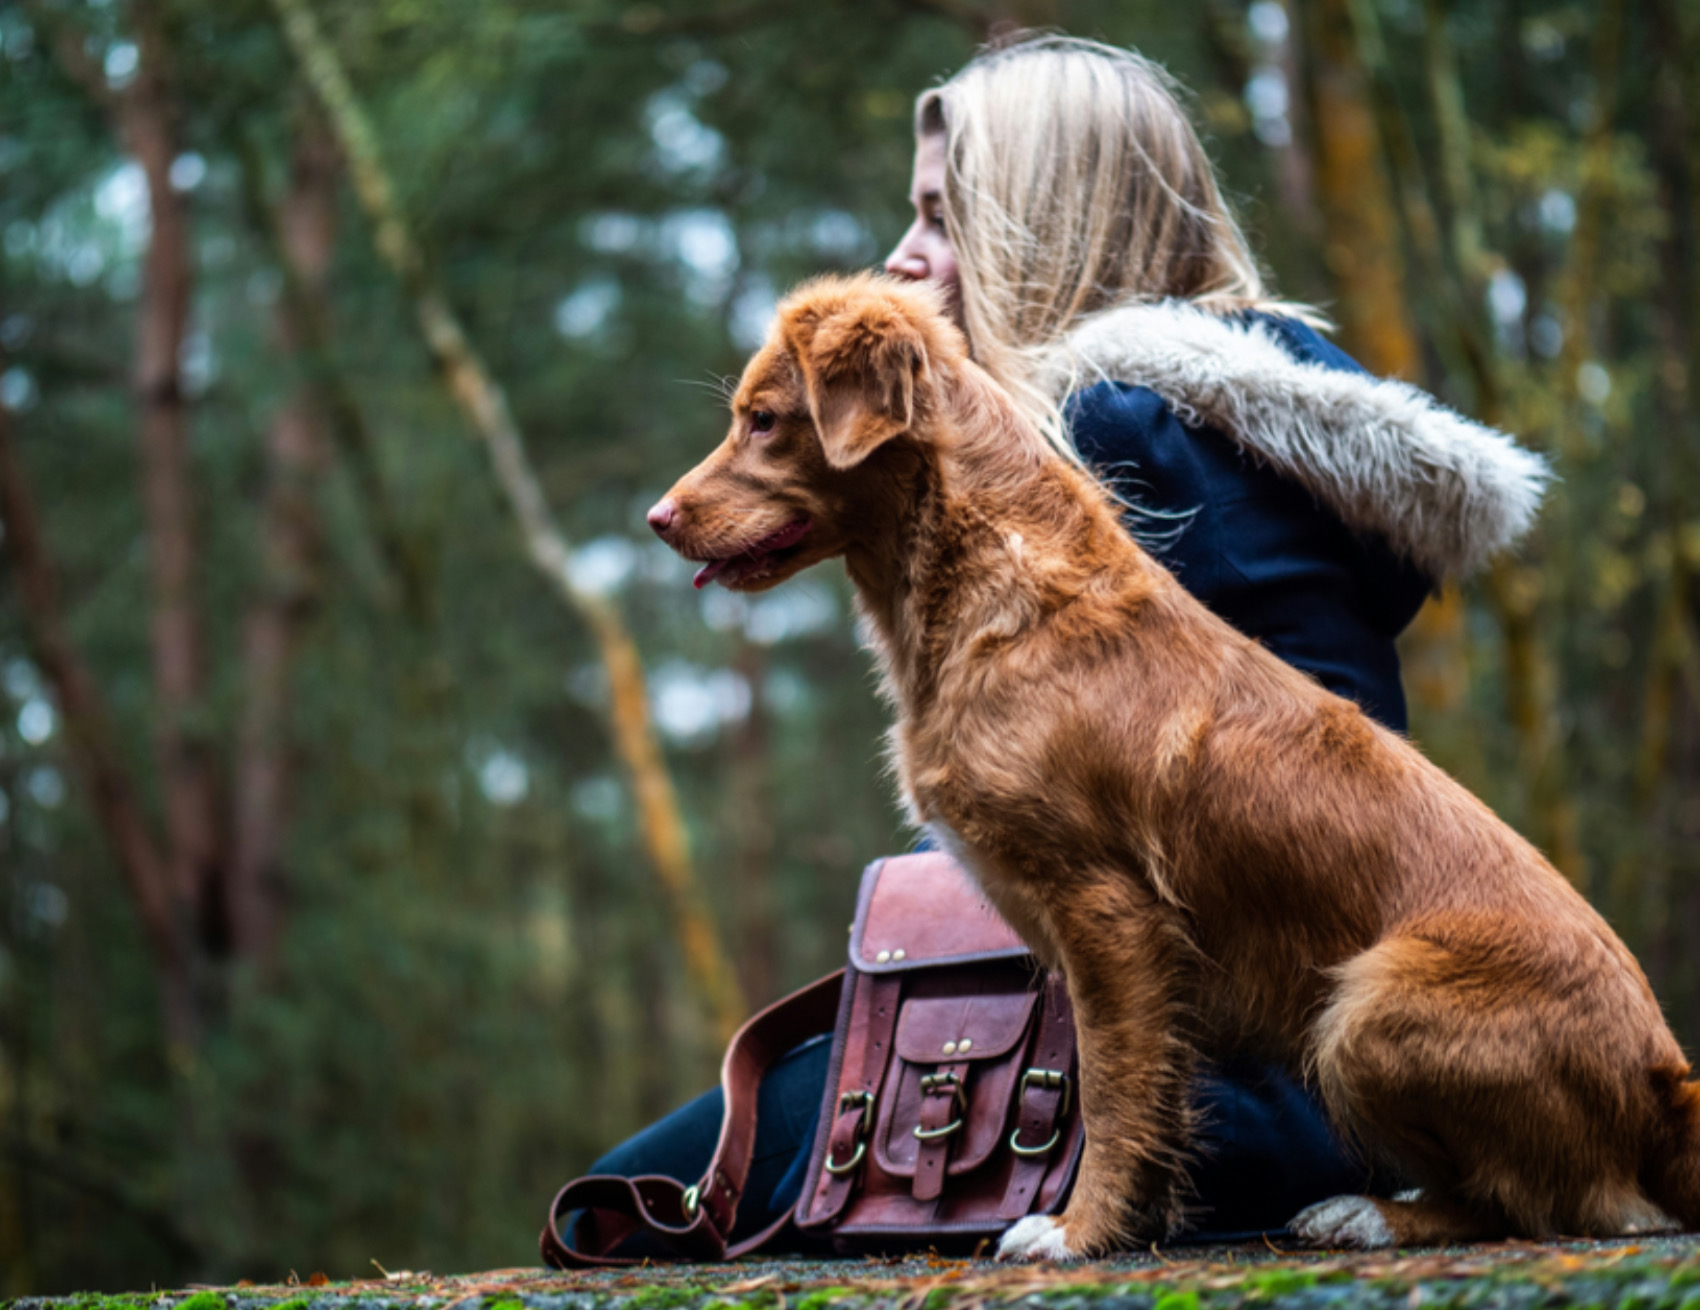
pixel 1075 182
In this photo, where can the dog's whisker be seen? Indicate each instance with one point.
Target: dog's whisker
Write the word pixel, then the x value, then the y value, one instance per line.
pixel 720 387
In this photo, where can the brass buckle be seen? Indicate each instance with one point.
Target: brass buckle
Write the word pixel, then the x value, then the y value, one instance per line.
pixel 1016 1146
pixel 937 1082
pixel 851 1163
pixel 1048 1079
pixel 850 1101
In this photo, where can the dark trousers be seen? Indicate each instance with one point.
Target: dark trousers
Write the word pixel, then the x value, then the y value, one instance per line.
pixel 1263 1150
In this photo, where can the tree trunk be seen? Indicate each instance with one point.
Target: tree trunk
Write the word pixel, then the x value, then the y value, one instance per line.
pixel 144 119
pixel 295 452
pixel 1359 222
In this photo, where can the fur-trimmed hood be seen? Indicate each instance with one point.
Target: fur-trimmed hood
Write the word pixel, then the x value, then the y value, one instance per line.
pixel 1446 492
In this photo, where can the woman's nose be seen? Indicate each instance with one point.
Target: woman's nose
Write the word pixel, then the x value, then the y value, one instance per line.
pixel 906 261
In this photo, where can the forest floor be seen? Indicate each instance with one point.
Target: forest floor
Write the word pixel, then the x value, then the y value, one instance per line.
pixel 1647 1274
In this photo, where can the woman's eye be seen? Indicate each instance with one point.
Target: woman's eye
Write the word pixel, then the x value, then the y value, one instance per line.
pixel 762 420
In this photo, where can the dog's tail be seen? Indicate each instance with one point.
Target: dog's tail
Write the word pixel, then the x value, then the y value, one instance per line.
pixel 1671 1168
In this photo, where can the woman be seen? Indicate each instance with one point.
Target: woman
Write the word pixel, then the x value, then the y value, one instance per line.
pixel 1063 200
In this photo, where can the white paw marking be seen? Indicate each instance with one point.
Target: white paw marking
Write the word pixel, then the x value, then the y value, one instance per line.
pixel 1642 1216
pixel 1351 1221
pixel 1037 1237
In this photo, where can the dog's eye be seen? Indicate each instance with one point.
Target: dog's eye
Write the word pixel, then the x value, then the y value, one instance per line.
pixel 762 420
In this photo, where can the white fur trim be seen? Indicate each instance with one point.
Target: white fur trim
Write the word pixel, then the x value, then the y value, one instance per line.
pixel 1446 492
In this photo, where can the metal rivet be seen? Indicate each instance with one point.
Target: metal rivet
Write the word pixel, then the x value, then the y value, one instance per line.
pixel 965 1044
pixel 898 955
pixel 882 957
pixel 950 1048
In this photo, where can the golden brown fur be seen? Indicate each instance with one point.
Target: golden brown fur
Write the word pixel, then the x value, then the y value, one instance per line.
pixel 1219 854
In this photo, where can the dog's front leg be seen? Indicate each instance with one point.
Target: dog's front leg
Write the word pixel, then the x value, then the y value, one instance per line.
pixel 1125 958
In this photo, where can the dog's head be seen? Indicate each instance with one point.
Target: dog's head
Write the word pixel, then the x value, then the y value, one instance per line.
pixel 848 372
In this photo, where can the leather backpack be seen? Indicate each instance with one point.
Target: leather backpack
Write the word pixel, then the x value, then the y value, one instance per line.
pixel 950 1107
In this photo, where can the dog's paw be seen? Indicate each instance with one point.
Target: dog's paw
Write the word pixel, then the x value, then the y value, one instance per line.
pixel 1350 1221
pixel 1037 1237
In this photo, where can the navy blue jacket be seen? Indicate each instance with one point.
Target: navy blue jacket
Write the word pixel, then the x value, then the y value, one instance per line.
pixel 1251 543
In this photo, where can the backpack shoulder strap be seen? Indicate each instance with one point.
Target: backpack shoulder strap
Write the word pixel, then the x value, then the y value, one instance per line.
pixel 694 1222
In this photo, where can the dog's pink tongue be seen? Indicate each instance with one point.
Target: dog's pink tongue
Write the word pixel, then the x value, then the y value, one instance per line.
pixel 708 573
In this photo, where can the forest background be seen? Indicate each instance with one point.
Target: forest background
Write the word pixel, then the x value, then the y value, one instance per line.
pixel 385 824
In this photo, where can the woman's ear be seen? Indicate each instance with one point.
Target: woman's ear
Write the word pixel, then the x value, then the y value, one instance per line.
pixel 862 360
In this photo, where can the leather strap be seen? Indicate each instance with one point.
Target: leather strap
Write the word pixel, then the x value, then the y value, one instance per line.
pixel 853 1116
pixel 1042 1101
pixel 944 1109
pixel 695 1223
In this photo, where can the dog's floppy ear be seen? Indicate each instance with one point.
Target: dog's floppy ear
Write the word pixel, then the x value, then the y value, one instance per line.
pixel 861 362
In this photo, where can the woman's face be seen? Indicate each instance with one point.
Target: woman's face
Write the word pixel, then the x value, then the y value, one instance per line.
pixel 924 253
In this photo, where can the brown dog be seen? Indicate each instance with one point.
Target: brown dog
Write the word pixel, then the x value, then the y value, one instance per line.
pixel 1220 855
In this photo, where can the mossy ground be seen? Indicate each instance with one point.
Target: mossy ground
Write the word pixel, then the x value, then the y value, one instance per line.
pixel 1660 1274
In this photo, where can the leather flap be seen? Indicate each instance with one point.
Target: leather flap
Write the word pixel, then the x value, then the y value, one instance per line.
pixel 924 910
pixel 945 1029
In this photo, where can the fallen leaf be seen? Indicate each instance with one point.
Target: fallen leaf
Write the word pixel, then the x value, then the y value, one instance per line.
pixel 750 1284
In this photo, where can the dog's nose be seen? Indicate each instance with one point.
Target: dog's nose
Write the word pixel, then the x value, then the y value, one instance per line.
pixel 661 516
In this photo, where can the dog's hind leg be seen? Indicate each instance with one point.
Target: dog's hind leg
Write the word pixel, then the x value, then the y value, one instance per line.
pixel 1126 964
pixel 1504 1073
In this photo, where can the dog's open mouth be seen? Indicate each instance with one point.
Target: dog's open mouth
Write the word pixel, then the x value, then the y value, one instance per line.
pixel 753 560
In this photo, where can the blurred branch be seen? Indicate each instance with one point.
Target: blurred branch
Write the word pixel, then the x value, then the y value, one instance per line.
pixel 485 405
pixel 309 313
pixel 94 746
pixel 71 55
